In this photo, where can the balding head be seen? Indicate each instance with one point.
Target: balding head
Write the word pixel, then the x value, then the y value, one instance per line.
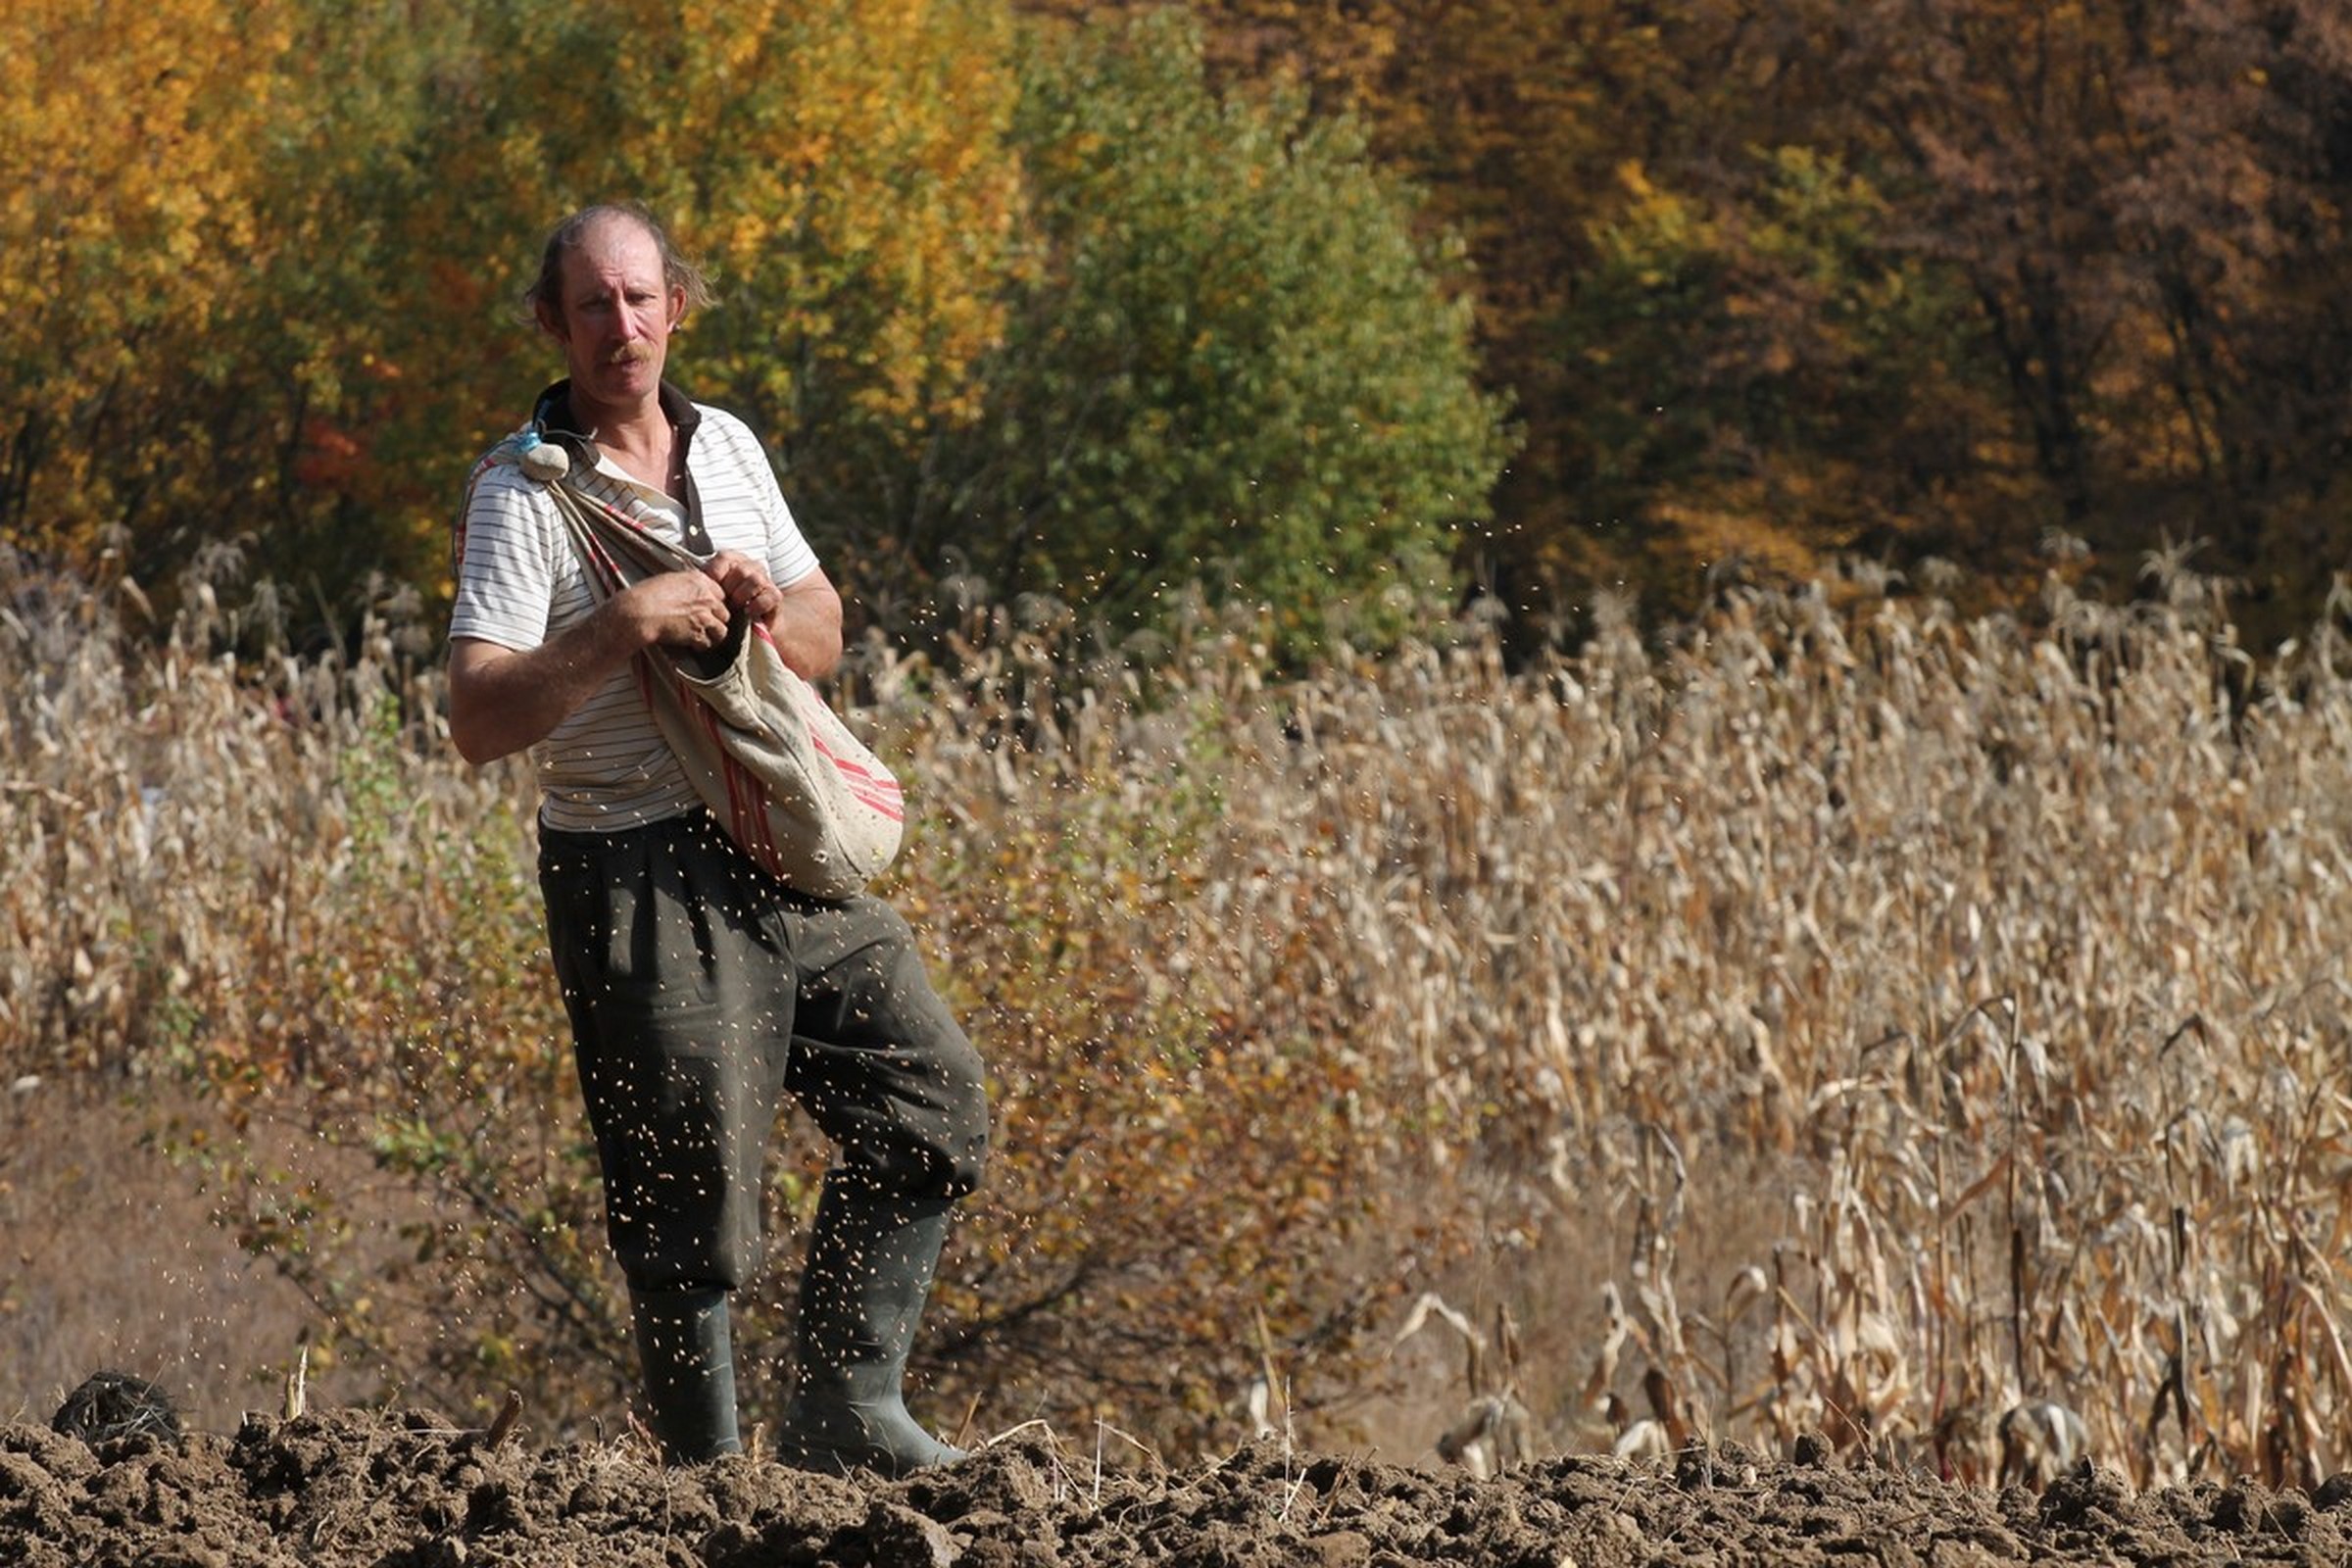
pixel 543 301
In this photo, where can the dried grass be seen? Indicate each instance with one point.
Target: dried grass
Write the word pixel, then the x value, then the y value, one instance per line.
pixel 1936 1017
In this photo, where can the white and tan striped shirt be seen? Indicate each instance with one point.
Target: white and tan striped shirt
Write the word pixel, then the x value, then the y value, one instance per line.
pixel 519 583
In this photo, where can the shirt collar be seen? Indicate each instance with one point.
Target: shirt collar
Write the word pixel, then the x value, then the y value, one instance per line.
pixel 553 410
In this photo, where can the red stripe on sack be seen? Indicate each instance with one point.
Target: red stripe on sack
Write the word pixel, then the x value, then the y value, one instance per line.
pixel 880 806
pixel 888 794
pixel 879 792
pixel 747 802
pixel 890 805
pixel 606 573
pixel 864 784
pixel 848 767
pixel 755 830
pixel 882 796
pixel 888 797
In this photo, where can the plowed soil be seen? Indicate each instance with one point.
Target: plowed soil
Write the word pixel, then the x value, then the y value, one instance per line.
pixel 404 1489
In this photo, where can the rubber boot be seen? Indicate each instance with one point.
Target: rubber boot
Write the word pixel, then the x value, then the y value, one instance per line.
pixel 871 1262
pixel 688 1356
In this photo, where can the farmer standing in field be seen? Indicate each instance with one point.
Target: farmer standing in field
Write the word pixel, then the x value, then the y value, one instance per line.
pixel 699 986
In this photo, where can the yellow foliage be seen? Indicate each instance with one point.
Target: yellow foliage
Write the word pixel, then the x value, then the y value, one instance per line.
pixel 839 168
pixel 134 139
pixel 260 261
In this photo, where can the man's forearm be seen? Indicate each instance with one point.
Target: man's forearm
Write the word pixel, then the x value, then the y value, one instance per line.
pixel 805 627
pixel 503 699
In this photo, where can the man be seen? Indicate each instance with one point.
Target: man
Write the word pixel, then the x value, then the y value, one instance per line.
pixel 698 985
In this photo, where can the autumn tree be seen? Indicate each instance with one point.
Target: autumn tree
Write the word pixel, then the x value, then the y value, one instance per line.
pixel 1766 378
pixel 2052 267
pixel 2136 209
pixel 133 143
pixel 264 264
pixel 845 170
pixel 2143 201
pixel 1517 116
pixel 839 169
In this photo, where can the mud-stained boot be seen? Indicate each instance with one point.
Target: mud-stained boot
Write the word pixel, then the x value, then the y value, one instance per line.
pixel 688 1355
pixel 871 1262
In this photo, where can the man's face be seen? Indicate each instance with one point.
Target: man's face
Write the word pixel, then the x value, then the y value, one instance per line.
pixel 618 310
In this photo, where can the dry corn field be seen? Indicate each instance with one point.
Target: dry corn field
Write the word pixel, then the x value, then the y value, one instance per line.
pixel 1927 1033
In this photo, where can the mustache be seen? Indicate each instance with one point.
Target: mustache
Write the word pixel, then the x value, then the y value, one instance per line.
pixel 630 354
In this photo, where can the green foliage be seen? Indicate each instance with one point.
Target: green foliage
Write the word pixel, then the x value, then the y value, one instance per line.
pixel 1106 307
pixel 1233 359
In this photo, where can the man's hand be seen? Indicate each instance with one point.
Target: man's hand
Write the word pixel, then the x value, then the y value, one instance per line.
pixel 803 620
pixel 745 583
pixel 677 610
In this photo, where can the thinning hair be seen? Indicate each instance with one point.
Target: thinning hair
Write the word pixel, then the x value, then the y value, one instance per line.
pixel 544 298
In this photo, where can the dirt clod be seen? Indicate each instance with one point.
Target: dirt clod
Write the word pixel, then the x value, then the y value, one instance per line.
pixel 114 1405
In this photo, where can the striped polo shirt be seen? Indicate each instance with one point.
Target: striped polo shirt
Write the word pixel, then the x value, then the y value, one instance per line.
pixel 519 583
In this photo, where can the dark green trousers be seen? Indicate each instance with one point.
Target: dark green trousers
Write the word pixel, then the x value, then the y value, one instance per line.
pixel 702 992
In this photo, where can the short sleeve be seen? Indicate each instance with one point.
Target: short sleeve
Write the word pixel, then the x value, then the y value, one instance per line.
pixel 508 575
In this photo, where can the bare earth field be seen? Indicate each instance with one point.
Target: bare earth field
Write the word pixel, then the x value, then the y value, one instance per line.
pixel 402 1490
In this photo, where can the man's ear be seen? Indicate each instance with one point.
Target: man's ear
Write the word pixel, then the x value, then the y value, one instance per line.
pixel 548 321
pixel 677 309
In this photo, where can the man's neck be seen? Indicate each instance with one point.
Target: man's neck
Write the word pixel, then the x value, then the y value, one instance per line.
pixel 638 437
pixel 633 428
